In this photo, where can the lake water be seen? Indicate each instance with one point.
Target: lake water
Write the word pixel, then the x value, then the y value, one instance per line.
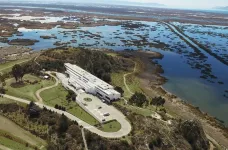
pixel 194 76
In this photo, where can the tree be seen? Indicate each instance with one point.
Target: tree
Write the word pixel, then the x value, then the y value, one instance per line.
pixel 155 142
pixel 17 72
pixel 56 106
pixel 2 83
pixel 71 96
pixel 120 90
pixel 106 77
pixel 33 110
pixel 2 80
pixel 158 101
pixel 63 124
pixel 138 99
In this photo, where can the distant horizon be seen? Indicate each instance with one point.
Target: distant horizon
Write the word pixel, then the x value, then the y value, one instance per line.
pixel 184 4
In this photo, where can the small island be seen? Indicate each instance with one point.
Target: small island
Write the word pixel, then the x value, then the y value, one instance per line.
pixel 23 42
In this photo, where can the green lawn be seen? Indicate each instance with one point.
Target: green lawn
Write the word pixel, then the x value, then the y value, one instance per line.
pixel 131 80
pixel 148 111
pixel 28 91
pixel 57 95
pixel 113 54
pixel 12 144
pixel 117 80
pixel 4 100
pixel 6 67
pixel 112 126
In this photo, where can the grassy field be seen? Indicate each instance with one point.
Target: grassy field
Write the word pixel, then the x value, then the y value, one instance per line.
pixel 18 136
pixel 57 95
pixel 4 100
pixel 111 126
pixel 117 80
pixel 131 80
pixel 6 67
pixel 112 54
pixel 12 144
pixel 28 91
pixel 148 111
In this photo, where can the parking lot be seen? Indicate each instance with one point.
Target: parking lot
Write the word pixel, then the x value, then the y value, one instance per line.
pixel 95 107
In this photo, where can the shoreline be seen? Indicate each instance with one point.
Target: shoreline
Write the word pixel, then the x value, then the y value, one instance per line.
pixel 205 118
pixel 174 97
pixel 151 83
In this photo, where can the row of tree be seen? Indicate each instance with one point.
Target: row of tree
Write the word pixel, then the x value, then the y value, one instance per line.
pixel 140 100
pixel 2 83
pixel 60 107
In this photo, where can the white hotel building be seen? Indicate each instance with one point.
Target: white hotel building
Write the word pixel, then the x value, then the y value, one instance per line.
pixel 81 79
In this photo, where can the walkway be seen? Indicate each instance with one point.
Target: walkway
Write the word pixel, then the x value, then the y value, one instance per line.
pixel 36 61
pixel 125 125
pixel 84 139
pixel 125 83
pixel 46 88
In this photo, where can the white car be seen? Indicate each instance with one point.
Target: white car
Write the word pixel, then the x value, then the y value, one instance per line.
pixel 106 114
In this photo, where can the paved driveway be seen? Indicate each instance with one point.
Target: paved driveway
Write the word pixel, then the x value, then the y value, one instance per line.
pixel 125 125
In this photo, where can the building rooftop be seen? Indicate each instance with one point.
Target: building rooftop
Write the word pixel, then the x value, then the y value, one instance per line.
pixel 88 77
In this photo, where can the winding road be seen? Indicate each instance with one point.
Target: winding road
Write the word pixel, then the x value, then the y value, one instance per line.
pixel 46 88
pixel 125 125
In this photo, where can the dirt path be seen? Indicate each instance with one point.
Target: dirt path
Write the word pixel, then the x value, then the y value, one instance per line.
pixel 46 88
pixel 84 139
pixel 125 83
pixel 36 61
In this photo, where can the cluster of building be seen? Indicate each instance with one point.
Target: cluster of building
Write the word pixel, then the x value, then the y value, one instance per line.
pixel 81 79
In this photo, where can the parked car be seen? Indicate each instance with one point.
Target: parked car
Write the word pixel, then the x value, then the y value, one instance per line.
pixel 106 114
